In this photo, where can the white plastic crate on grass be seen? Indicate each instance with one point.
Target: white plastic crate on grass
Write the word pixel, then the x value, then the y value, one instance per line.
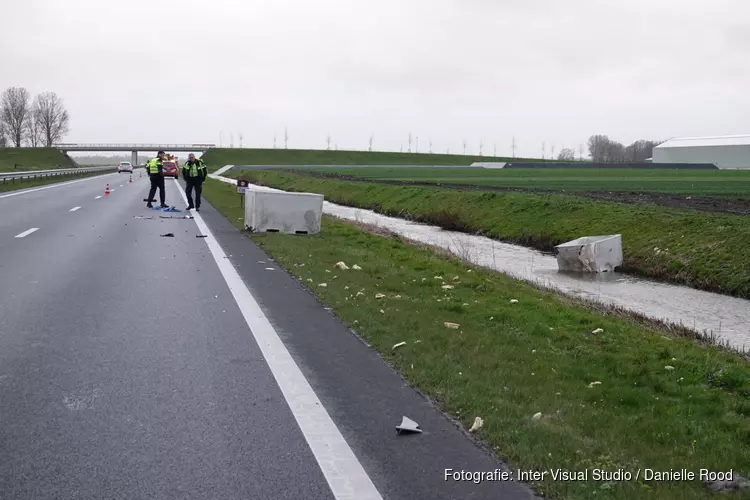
pixel 592 254
pixel 283 212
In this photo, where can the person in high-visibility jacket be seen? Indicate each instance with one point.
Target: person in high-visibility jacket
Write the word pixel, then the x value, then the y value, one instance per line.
pixel 156 175
pixel 194 172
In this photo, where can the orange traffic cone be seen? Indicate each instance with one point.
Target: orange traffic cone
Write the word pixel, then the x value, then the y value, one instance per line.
pixel 106 190
pixel 131 179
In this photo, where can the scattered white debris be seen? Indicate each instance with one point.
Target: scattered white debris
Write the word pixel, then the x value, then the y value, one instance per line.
pixel 456 278
pixel 397 297
pixel 454 326
pixel 323 285
pixel 537 416
pixel 478 424
pixel 399 345
pixel 424 279
pixel 269 269
pixel 356 267
pixel 447 287
pixel 382 311
pixel 592 384
pixel 359 293
pixel 261 262
pixel 379 296
pixel 674 359
pixel 341 265
pixel 514 301
pixel 669 368
pixel 491 318
pixel 438 278
pixel 533 351
pixel 408 425
pixel 681 379
pixel 346 288
pixel 465 304
pixel 598 330
pixel 328 270
pixel 309 280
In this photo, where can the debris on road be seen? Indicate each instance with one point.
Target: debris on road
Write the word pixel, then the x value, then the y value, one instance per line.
pixel 597 331
pixel 270 269
pixel 478 424
pixel 514 301
pixel 142 217
pixel 323 285
pixel 537 416
pixel 454 326
pixel 356 267
pixel 669 368
pixel 201 236
pixel 379 296
pixel 447 287
pixel 592 384
pixel 399 345
pixel 342 265
pixel 168 235
pixel 408 425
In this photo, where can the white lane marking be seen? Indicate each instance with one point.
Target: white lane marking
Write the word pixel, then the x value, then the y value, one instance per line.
pixel 121 185
pixel 112 190
pixel 74 209
pixel 345 475
pixel 16 193
pixel 27 232
pixel 98 197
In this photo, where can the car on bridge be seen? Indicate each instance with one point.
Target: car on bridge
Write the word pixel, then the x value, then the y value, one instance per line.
pixel 125 166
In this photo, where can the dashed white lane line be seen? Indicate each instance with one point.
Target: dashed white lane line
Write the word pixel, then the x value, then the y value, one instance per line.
pixel 121 185
pixel 345 475
pixel 27 232
pixel 74 209
pixel 112 190
pixel 98 197
pixel 51 186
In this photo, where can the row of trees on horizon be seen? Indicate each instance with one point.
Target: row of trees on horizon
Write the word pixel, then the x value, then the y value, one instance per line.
pixel 42 121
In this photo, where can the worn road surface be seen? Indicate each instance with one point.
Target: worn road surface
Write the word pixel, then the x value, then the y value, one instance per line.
pixel 136 366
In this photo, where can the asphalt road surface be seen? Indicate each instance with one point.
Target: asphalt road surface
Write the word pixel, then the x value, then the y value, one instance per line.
pixel 136 366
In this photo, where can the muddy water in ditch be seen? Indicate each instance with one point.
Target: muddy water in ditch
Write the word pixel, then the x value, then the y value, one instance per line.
pixel 726 317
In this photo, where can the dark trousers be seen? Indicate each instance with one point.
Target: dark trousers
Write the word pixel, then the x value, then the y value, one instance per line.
pixel 157 181
pixel 189 185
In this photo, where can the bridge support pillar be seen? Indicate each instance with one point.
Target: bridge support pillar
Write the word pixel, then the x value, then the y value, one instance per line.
pixel 134 158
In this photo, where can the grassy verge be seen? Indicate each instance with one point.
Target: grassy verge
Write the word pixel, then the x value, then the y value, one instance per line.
pixel 6 186
pixel 701 249
pixel 706 183
pixel 507 361
pixel 25 159
pixel 218 157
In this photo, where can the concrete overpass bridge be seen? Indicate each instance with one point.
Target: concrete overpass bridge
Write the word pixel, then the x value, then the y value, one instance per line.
pixel 134 148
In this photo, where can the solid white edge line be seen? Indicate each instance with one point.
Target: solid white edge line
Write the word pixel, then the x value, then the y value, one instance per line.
pixel 27 232
pixel 25 191
pixel 74 209
pixel 344 473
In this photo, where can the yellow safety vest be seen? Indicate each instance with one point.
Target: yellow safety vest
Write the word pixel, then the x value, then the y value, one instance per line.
pixel 194 167
pixel 154 166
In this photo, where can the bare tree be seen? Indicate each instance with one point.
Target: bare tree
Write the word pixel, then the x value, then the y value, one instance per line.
pixel 410 142
pixel 240 140
pixel 640 150
pixel 369 147
pixel 34 130
pixel 598 147
pixel 328 142
pixel 3 139
pixel 14 111
pixel 286 138
pixel 567 154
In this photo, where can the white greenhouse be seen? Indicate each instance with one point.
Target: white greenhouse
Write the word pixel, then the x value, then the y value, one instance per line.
pixel 727 152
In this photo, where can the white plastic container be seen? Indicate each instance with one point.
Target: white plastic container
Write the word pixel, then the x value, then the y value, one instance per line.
pixel 592 254
pixel 279 211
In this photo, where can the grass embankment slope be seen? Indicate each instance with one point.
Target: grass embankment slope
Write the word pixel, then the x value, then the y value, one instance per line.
pixel 33 159
pixel 706 183
pixel 218 157
pixel 705 250
pixel 507 361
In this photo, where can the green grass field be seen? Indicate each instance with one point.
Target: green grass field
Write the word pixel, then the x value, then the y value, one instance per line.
pixel 632 396
pixel 33 159
pixel 706 183
pixel 218 157
pixel 701 249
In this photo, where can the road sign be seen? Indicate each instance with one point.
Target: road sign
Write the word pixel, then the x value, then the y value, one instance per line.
pixel 242 183
pixel 241 190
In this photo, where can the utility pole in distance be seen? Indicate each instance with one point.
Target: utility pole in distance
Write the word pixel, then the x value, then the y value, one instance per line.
pixel 286 138
pixel 328 142
pixel 240 140
pixel 410 142
pixel 464 147
pixel 370 146
pixel 417 148
pixel 513 146
pixel 481 143
pixel 274 140
pixel 543 149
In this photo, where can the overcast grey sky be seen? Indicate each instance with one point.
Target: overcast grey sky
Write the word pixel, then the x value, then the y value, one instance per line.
pixel 446 70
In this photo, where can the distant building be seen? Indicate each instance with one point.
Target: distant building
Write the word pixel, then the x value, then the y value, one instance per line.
pixel 728 152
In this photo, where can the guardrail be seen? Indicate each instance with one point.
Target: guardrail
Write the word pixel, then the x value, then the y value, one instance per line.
pixel 37 174
pixel 128 146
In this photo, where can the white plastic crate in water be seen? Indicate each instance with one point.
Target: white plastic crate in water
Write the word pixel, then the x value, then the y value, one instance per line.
pixel 279 211
pixel 593 254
